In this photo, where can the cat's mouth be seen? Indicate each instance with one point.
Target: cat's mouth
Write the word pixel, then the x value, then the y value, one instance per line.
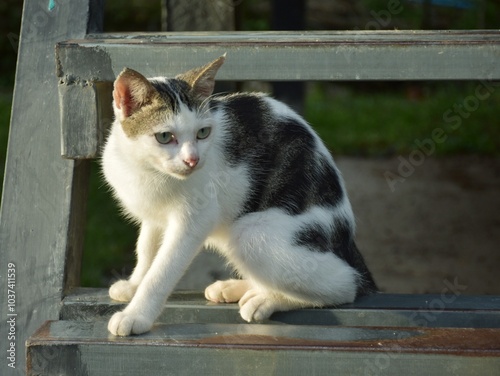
pixel 184 173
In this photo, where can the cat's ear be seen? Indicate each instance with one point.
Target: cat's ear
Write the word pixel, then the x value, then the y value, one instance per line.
pixel 132 91
pixel 202 79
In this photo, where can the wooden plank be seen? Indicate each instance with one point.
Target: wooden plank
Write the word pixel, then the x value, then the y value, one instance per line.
pixel 76 348
pixel 375 310
pixel 88 109
pixel 347 55
pixel 40 229
pixel 355 55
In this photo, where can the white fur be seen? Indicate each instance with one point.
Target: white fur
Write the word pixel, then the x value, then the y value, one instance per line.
pixel 179 212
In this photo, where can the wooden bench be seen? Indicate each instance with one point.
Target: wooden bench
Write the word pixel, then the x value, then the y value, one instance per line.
pixel 386 334
pixel 87 68
pixel 45 196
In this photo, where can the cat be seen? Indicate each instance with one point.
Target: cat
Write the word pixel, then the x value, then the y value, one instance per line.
pixel 240 173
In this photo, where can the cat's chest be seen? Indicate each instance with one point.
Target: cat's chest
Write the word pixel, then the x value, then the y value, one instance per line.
pixel 143 195
pixel 144 201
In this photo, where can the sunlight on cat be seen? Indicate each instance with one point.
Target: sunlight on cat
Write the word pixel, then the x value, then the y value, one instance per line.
pixel 240 173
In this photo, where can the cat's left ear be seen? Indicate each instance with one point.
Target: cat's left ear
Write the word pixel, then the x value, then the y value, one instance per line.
pixel 202 79
pixel 132 91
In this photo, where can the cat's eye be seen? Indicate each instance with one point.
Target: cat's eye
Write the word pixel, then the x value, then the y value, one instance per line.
pixel 164 137
pixel 203 133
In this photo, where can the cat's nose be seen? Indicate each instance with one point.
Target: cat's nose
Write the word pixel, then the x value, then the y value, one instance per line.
pixel 191 162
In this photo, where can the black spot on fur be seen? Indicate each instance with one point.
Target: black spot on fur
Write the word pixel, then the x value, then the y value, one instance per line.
pixel 323 239
pixel 174 91
pixel 287 170
pixel 338 239
pixel 314 237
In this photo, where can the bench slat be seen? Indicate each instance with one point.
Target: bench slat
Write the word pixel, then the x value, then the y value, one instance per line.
pixel 346 55
pixel 76 348
pixel 375 310
pixel 87 67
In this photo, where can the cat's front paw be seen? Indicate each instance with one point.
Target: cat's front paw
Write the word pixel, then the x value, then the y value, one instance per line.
pixel 122 290
pixel 257 305
pixel 125 324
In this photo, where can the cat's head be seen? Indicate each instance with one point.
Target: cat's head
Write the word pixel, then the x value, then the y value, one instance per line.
pixel 166 120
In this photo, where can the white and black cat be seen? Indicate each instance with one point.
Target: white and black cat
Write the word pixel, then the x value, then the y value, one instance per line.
pixel 242 174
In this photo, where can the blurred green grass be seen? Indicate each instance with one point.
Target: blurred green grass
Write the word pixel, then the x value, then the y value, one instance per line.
pixel 370 123
pixel 109 238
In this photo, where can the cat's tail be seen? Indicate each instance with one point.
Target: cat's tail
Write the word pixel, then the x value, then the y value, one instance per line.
pixel 366 284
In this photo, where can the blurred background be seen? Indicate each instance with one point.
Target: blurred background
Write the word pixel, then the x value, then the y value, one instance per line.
pixel 419 233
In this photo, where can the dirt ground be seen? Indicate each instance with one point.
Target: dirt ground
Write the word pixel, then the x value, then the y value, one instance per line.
pixel 421 229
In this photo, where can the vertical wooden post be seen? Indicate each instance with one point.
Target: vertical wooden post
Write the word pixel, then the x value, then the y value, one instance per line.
pixel 44 195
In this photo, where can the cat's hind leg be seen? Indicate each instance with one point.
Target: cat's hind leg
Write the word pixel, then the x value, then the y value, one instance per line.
pixel 260 303
pixel 285 273
pixel 256 304
pixel 229 291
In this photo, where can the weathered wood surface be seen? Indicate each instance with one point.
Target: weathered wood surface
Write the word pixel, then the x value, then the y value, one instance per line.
pixel 44 196
pixel 83 65
pixel 439 310
pixel 77 348
pixel 87 109
pixel 346 55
